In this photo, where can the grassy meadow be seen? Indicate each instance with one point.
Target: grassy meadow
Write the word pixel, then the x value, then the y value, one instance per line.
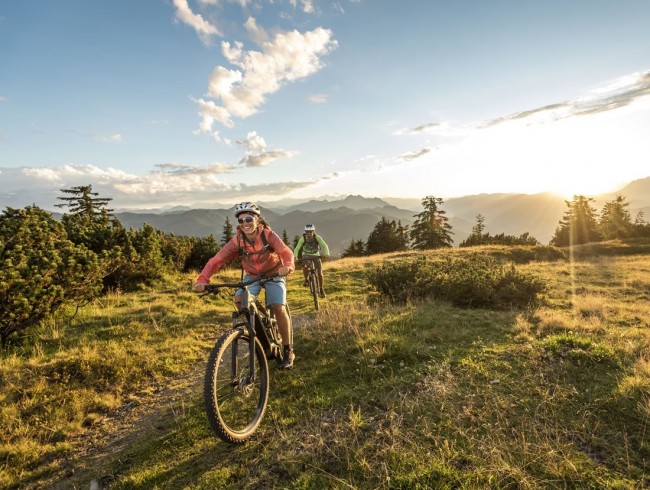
pixel 383 396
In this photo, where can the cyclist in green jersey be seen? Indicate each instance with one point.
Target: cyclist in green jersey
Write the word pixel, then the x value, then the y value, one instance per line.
pixel 313 245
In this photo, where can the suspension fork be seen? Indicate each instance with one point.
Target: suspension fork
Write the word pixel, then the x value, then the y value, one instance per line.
pixel 250 312
pixel 250 328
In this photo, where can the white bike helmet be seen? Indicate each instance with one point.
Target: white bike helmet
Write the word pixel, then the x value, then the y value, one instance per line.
pixel 310 228
pixel 247 207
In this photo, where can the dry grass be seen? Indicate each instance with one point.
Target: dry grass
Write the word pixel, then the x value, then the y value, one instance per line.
pixel 418 396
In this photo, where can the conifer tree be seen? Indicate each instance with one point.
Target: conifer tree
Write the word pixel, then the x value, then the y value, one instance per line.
pixel 227 233
pixel 40 270
pixel 403 236
pixel 384 238
pixel 615 219
pixel 477 237
pixel 431 228
pixel 285 237
pixel 357 248
pixel 203 249
pixel 82 204
pixel 579 224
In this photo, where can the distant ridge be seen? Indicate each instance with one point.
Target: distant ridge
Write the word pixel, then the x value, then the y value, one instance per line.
pixel 353 217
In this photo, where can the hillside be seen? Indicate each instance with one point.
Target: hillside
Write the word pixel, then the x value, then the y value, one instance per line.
pixel 423 395
pixel 353 218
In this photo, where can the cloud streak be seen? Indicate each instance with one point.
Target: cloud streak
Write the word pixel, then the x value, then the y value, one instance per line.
pixel 203 28
pixel 168 185
pixel 620 93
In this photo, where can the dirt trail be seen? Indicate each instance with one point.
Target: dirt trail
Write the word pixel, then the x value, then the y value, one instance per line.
pixel 140 418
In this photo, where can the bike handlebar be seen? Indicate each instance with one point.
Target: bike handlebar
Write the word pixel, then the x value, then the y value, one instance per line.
pixel 215 288
pixel 310 257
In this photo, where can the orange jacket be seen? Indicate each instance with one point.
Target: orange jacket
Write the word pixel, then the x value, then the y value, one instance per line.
pixel 255 261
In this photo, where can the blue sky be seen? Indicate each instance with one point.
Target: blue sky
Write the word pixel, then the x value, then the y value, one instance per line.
pixel 204 102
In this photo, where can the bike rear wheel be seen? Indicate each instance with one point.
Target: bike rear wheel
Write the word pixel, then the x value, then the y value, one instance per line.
pixel 235 406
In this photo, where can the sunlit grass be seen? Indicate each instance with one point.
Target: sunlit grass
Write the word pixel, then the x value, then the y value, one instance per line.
pixel 422 395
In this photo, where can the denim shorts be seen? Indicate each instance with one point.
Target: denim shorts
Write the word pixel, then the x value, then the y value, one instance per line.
pixel 275 290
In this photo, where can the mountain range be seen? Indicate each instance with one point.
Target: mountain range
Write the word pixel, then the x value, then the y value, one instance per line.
pixel 341 220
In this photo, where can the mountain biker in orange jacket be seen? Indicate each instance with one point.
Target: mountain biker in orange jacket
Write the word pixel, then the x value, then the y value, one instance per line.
pixel 263 253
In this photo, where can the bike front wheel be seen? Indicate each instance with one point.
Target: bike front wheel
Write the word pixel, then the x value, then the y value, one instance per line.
pixel 235 403
pixel 314 289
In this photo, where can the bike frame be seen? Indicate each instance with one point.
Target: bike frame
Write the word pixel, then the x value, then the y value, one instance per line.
pixel 310 260
pixel 249 308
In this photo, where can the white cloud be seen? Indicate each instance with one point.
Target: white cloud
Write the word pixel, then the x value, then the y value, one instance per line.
pixel 253 143
pixel 113 138
pixel 256 33
pixel 203 28
pixel 256 154
pixel 415 154
pixel 169 184
pixel 317 98
pixel 264 158
pixel 307 6
pixel 288 57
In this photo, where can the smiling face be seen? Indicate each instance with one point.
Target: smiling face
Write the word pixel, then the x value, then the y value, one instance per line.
pixel 248 223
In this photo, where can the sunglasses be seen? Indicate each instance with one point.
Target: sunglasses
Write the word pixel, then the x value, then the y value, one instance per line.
pixel 247 219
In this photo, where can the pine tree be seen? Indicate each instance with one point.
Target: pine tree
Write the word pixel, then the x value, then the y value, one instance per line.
pixel 356 249
pixel 82 205
pixel 403 236
pixel 384 238
pixel 615 219
pixel 431 228
pixel 203 249
pixel 477 237
pixel 579 224
pixel 40 270
pixel 227 233
pixel 285 237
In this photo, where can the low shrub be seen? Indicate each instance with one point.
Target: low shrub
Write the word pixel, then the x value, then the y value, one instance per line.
pixel 474 281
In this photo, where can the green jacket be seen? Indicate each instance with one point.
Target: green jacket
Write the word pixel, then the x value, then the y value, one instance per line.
pixel 313 247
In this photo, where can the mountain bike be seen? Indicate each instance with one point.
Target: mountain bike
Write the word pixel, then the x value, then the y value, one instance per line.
pixel 236 389
pixel 312 277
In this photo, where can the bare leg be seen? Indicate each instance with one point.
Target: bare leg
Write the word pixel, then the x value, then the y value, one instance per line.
pixel 284 324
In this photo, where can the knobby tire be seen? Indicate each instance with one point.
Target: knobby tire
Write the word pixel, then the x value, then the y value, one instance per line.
pixel 234 408
pixel 314 287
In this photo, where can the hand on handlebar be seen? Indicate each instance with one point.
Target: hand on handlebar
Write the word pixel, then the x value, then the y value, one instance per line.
pixel 199 287
pixel 284 271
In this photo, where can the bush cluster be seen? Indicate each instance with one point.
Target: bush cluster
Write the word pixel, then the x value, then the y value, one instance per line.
pixel 46 264
pixel 473 281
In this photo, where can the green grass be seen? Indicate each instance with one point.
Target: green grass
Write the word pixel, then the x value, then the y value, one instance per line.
pixel 422 395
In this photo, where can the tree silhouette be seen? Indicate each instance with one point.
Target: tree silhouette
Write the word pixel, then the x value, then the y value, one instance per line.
pixel 387 236
pixel 227 231
pixel 82 204
pixel 578 225
pixel 477 237
pixel 356 249
pixel 431 228
pixel 615 219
